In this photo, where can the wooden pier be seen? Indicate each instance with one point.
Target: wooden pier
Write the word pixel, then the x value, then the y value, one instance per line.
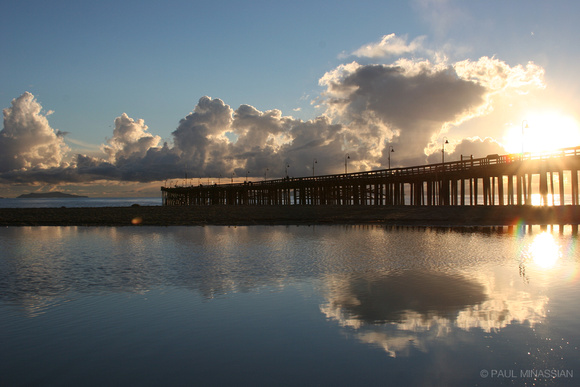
pixel 547 178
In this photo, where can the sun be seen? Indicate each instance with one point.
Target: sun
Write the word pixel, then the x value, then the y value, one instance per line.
pixel 543 132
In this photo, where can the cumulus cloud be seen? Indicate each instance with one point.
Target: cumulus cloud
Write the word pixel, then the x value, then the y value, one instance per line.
pixel 318 139
pixel 496 76
pixel 27 140
pixel 408 104
pixel 390 102
pixel 412 103
pixel 259 139
pixel 130 139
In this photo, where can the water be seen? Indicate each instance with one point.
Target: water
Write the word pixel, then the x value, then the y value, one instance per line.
pixel 287 305
pixel 78 202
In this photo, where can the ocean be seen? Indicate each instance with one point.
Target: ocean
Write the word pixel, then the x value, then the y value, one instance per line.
pixel 78 202
pixel 328 305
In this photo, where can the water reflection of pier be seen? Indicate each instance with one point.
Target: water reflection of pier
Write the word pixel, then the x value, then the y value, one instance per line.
pixel 493 180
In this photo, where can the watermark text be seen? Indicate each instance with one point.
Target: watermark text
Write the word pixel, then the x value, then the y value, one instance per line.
pixel 529 373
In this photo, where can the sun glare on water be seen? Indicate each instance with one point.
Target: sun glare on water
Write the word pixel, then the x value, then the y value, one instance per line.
pixel 545 251
pixel 543 132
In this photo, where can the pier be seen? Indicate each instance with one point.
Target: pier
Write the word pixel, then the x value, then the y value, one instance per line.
pixel 544 179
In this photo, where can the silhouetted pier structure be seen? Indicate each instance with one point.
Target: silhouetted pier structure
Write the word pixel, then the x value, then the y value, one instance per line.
pixel 492 180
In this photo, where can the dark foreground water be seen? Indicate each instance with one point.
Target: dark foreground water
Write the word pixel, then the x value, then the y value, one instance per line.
pixel 271 306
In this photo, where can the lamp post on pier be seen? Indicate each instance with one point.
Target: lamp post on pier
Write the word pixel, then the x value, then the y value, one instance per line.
pixel 314 162
pixel 346 157
pixel 445 141
pixel 524 126
pixel 390 150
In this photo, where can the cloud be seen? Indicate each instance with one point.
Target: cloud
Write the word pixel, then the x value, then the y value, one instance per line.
pixel 496 76
pixel 130 140
pixel 27 140
pixel 477 147
pixel 412 103
pixel 389 45
pixel 201 134
pixel 318 139
pixel 409 104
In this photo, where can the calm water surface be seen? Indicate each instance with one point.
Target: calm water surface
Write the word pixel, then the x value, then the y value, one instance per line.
pixel 78 202
pixel 265 306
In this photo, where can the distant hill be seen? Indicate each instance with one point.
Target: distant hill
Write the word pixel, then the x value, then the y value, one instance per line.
pixel 57 195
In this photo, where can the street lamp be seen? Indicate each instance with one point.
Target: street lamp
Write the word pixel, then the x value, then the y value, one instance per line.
pixel 247 175
pixel 314 162
pixel 233 173
pixel 287 166
pixel 526 126
pixel 266 174
pixel 346 157
pixel 445 141
pixel 390 150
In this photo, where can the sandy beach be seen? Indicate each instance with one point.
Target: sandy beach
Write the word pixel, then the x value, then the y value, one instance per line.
pixel 288 215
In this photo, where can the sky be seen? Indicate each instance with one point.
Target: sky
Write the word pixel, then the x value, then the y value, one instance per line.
pixel 118 98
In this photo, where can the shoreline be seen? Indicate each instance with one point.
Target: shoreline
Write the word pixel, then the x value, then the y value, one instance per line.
pixel 436 216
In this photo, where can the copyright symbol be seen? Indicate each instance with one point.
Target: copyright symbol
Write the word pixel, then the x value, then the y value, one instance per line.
pixel 483 373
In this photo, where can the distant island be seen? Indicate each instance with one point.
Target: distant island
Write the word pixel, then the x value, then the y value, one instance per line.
pixel 44 195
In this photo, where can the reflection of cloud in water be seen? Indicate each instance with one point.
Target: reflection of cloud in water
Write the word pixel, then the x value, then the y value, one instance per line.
pixel 377 299
pixel 407 309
